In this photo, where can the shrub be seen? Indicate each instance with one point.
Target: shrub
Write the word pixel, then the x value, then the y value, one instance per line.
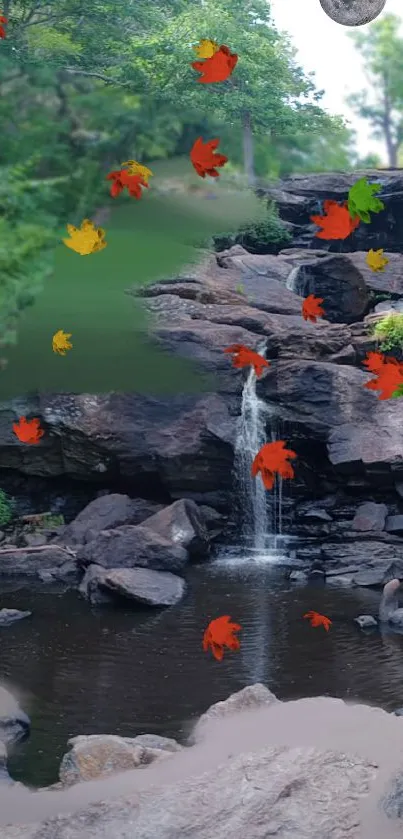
pixel 6 508
pixel 389 331
pixel 268 235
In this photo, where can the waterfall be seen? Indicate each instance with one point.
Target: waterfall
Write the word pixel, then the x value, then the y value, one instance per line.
pixel 261 510
pixel 251 437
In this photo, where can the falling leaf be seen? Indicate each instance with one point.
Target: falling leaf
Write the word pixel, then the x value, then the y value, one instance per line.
pixel 88 239
pixel 2 30
pixel 311 308
pixel 61 343
pixel 318 620
pixel 28 431
pixel 219 634
pixel 388 374
pixel 121 179
pixel 205 159
pixel 272 458
pixel 243 357
pixel 240 289
pixel 138 169
pixel 336 223
pixel 362 200
pixel 376 260
pixel 205 48
pixel 218 68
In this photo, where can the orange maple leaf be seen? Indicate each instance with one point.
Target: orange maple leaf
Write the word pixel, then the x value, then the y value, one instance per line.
pixel 28 431
pixel 388 374
pixel 336 223
pixel 272 458
pixel 318 620
pixel 220 634
pixel 311 308
pixel 243 356
pixel 205 159
pixel 218 68
pixel 122 178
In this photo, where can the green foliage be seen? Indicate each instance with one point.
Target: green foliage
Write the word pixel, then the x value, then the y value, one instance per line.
pixel 6 508
pixel 51 520
pixel 268 235
pixel 389 331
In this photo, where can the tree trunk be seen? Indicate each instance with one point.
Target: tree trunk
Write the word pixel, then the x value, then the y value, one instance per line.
pixel 248 157
pixel 392 147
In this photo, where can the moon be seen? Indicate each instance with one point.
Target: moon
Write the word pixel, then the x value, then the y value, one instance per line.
pixel 352 12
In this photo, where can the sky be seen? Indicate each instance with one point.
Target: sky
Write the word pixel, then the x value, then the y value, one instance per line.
pixel 323 46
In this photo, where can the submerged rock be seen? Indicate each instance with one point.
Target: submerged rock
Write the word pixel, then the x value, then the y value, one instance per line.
pixel 8 616
pixel 14 723
pixel 365 621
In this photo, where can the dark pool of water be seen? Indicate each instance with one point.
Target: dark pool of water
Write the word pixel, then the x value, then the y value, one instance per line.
pixel 83 671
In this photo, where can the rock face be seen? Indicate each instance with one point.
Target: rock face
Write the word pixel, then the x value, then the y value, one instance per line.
pixel 349 443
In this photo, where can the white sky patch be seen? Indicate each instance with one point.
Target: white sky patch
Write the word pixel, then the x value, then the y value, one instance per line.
pixel 323 47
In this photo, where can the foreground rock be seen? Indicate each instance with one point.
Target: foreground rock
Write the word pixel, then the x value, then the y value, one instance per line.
pixel 247 699
pixel 235 782
pixel 96 755
pixel 14 723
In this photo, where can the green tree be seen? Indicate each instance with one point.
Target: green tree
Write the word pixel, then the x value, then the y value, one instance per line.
pixel 268 94
pixel 381 47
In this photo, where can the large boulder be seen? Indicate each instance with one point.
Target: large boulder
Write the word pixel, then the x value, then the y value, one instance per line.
pixel 150 588
pixel 130 547
pixel 292 792
pixel 182 524
pixel 105 513
pixel 339 283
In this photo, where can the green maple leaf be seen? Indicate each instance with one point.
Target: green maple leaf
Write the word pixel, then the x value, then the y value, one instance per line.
pixel 362 200
pixel 397 393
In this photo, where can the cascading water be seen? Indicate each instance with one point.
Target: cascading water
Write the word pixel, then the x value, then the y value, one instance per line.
pixel 261 510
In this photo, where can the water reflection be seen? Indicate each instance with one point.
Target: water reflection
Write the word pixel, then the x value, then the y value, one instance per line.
pixel 83 671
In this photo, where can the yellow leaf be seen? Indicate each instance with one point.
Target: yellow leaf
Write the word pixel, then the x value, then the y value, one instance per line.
pixel 205 48
pixel 135 168
pixel 376 260
pixel 61 343
pixel 85 240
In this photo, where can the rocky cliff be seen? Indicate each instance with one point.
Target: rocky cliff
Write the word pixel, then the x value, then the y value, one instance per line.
pixel 349 444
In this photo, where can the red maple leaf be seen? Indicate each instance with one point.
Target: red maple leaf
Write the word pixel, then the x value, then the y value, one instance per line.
pixel 205 159
pixel 272 458
pixel 220 634
pixel 218 67
pixel 388 374
pixel 2 30
pixel 121 179
pixel 28 431
pixel 243 356
pixel 311 308
pixel 318 620
pixel 336 223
